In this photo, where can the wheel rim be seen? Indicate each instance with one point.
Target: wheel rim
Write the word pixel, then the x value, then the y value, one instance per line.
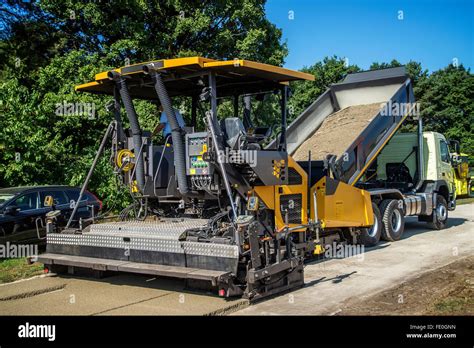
pixel 441 212
pixel 396 221
pixel 373 230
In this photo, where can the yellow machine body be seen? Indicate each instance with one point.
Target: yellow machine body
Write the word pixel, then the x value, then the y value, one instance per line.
pixel 341 205
pixel 461 176
pixel 338 204
pixel 296 195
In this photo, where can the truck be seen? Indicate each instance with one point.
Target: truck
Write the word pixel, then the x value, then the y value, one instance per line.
pixel 225 203
pixel 413 169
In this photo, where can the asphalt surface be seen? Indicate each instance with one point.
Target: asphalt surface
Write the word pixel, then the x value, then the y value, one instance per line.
pixel 329 284
pixel 123 294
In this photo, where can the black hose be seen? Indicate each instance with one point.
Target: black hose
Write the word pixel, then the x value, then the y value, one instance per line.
pixel 176 132
pixel 126 211
pixel 134 125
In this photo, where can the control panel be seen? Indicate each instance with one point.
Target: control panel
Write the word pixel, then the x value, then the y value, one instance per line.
pixel 196 145
pixel 252 203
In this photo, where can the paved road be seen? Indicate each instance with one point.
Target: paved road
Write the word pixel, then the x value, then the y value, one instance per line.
pixel 117 295
pixel 328 284
pixel 331 283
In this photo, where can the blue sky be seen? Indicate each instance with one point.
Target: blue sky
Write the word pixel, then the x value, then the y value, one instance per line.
pixel 431 32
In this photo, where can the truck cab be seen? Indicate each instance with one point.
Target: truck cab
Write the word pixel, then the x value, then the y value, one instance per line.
pixel 401 151
pixel 438 162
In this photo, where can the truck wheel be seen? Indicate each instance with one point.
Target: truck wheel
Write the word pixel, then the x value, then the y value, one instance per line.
pixel 371 236
pixel 441 214
pixel 393 220
pixel 470 188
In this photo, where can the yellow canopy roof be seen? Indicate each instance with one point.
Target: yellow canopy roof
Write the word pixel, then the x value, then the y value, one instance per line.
pixel 181 77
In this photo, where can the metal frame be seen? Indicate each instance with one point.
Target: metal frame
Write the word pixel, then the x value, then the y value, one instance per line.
pixel 107 134
pixel 154 248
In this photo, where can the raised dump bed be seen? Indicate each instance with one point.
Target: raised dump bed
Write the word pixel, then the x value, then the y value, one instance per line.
pixel 350 121
pixel 356 120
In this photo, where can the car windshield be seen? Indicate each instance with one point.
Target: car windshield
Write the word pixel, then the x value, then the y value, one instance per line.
pixel 4 197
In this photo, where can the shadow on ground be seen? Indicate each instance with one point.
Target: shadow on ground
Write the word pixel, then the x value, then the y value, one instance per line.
pixel 336 279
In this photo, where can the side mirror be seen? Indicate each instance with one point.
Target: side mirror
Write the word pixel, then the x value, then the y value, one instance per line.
pixel 48 201
pixel 454 144
pixel 11 210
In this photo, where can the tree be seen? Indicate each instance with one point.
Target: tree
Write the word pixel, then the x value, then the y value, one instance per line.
pixel 446 100
pixel 447 104
pixel 128 31
pixel 48 47
pixel 28 39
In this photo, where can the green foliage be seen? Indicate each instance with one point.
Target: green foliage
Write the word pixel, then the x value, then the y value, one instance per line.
pixel 19 268
pixel 48 47
pixel 447 105
pixel 414 70
pixel 446 100
pixel 326 72
pixel 142 30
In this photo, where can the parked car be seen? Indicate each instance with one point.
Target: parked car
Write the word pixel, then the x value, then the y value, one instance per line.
pixel 22 210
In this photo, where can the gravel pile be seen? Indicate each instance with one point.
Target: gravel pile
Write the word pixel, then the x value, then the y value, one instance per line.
pixel 337 132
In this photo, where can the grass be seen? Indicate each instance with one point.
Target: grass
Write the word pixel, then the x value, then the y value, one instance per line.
pixel 460 300
pixel 15 269
pixel 453 305
pixel 465 200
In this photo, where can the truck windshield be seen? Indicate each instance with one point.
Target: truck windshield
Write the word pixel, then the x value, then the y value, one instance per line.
pixel 4 197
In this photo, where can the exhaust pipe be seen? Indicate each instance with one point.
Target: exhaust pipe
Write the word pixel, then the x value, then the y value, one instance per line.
pixel 134 125
pixel 176 133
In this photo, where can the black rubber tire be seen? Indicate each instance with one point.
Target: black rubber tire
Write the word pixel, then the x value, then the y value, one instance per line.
pixel 390 210
pixel 367 236
pixel 439 224
pixel 470 193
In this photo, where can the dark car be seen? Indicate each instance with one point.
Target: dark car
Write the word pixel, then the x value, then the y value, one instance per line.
pixel 22 210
